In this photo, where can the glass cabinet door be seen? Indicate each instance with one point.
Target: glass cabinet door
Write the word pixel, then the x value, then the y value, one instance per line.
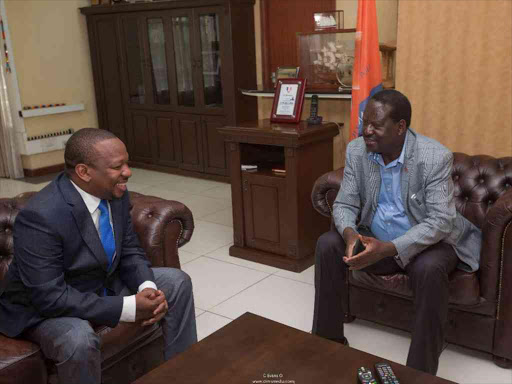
pixel 181 32
pixel 158 60
pixel 134 60
pixel 211 59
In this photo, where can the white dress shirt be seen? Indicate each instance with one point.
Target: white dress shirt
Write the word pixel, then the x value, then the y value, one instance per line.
pixel 92 203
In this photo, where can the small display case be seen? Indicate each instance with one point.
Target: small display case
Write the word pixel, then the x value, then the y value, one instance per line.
pixel 326 58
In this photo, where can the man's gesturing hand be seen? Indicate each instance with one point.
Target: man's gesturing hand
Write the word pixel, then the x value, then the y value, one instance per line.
pixel 151 306
pixel 375 251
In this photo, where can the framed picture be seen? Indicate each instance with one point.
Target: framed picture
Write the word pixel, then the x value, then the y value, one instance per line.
pixel 288 100
pixel 328 20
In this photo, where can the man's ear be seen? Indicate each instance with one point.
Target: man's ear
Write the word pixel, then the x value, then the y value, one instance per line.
pixel 402 127
pixel 82 171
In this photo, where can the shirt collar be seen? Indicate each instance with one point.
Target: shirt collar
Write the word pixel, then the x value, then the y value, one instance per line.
pixel 91 202
pixel 377 157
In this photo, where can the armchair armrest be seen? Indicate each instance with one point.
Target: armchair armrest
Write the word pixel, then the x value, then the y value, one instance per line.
pixel 163 226
pixel 496 249
pixel 324 191
pixel 496 269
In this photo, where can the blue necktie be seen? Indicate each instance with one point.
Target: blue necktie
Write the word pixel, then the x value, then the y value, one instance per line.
pixel 106 234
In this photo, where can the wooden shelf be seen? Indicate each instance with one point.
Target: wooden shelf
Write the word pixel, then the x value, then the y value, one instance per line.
pixel 52 110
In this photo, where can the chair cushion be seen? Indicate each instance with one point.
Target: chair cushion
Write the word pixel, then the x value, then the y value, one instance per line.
pixel 464 286
pixel 21 361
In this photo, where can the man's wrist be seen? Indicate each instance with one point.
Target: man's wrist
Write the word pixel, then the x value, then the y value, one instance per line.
pixel 348 234
pixel 389 249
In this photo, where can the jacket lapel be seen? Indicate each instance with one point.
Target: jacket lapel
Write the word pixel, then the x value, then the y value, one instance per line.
pixel 374 182
pixel 117 221
pixel 408 168
pixel 83 220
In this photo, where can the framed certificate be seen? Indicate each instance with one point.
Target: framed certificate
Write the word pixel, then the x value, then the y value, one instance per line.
pixel 288 100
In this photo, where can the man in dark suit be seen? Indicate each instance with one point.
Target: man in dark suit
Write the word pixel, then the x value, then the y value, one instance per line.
pixel 396 183
pixel 77 262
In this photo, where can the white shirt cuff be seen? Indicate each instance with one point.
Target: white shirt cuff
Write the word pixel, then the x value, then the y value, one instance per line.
pixel 129 307
pixel 147 284
pixel 129 304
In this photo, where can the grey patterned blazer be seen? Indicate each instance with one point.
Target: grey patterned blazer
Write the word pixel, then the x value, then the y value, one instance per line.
pixel 426 193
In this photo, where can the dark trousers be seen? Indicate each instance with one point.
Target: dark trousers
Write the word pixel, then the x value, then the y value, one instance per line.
pixel 428 274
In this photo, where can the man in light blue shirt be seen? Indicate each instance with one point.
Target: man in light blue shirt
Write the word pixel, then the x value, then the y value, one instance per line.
pixel 398 184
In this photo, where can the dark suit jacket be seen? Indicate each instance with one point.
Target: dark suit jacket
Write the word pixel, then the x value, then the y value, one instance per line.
pixel 60 267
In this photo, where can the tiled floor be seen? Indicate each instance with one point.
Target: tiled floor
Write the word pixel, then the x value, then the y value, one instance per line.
pixel 225 287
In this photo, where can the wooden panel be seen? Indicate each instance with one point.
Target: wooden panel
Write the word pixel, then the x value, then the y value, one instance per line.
pixel 191 142
pixel 214 149
pixel 265 210
pixel 280 20
pixel 141 134
pixel 108 55
pixel 167 141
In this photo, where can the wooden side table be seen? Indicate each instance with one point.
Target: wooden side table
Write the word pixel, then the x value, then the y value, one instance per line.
pixel 273 219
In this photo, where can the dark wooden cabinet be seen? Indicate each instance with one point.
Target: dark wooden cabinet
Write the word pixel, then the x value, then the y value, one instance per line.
pixel 274 221
pixel 167 74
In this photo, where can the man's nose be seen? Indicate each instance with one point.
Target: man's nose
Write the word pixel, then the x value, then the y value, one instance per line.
pixel 367 130
pixel 127 172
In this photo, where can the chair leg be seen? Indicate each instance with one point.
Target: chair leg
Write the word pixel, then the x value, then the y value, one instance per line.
pixel 502 362
pixel 348 318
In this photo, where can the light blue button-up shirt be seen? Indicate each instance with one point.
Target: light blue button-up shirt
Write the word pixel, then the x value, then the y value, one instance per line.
pixel 390 220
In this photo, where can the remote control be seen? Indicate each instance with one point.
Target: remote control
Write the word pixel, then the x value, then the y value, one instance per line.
pixel 385 374
pixel 365 376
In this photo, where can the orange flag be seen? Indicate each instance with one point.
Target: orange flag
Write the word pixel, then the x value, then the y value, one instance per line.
pixel 367 72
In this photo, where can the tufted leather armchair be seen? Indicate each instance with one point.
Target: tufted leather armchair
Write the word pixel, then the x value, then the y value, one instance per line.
pixel 480 314
pixel 128 350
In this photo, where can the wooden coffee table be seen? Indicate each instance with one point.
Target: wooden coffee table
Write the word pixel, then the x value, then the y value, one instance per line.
pixel 252 349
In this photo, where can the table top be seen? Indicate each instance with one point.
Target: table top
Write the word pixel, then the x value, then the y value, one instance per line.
pixel 287 134
pixel 252 348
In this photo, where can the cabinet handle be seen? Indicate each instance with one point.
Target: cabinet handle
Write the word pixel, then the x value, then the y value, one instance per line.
pixel 245 185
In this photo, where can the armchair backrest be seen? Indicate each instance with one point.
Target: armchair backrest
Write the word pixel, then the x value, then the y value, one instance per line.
pixel 9 209
pixel 479 181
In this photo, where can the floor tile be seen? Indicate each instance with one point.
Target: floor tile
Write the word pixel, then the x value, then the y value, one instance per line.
pixel 306 276
pixel 10 188
pixel 283 300
pixel 466 366
pixel 164 193
pixel 208 237
pixel 221 192
pixel 145 176
pixel 207 323
pixel 198 311
pixel 216 281
pixel 378 340
pixel 223 255
pixel 186 257
pixel 137 187
pixel 202 206
pixel 224 217
pixel 191 185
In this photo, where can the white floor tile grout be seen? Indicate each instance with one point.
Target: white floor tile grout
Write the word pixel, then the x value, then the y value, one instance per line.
pixel 245 289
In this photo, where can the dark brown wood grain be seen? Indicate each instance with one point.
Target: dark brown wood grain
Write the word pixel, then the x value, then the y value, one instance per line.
pixel 253 348
pixel 152 125
pixel 274 221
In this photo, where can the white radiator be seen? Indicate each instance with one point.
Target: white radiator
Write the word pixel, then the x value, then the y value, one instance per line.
pixel 46 143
